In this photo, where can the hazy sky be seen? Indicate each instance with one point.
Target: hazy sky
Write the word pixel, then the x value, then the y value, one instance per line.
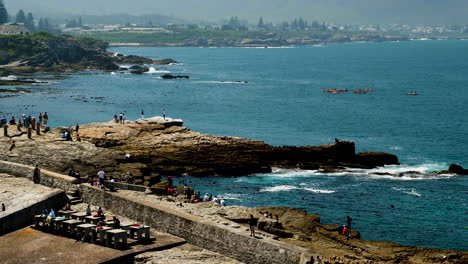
pixel 341 11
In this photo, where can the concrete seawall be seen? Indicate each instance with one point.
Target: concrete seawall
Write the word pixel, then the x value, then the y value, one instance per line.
pixel 24 216
pixel 234 243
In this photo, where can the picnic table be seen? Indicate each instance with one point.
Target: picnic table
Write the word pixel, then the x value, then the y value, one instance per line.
pixel 57 223
pixel 88 229
pixel 92 219
pixel 102 233
pixel 69 226
pixel 65 213
pixel 39 219
pixel 140 230
pixel 79 216
pixel 118 237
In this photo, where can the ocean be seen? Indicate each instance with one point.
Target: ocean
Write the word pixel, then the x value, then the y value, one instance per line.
pixel 275 95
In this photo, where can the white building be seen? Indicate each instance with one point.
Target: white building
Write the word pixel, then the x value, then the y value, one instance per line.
pixel 13 30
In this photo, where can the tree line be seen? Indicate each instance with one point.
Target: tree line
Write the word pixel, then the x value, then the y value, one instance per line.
pixel 26 19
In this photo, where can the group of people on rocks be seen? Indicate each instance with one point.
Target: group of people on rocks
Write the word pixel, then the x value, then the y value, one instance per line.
pixel 121 118
pixel 346 229
pixel 26 121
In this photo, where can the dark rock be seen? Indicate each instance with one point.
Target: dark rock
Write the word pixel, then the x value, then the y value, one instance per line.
pixel 139 70
pixel 165 62
pixel 170 76
pixel 457 169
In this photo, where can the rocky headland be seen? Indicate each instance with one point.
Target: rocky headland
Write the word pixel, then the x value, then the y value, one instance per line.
pixel 44 53
pixel 158 146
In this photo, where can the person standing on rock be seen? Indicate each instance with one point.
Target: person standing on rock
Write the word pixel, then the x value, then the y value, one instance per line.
pixel 77 127
pixel 37 175
pixel 349 221
pixel 101 175
pixel 253 224
pixel 3 207
pixel 142 114
pixel 45 117
pixel 40 119
pixel 121 118
pixel 164 114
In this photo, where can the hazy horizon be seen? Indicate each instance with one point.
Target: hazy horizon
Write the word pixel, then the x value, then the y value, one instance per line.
pixel 340 11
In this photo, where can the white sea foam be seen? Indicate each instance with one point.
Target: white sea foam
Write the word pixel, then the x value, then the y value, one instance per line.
pixel 396 148
pixel 113 73
pixel 231 196
pixel 410 191
pixel 282 188
pixel 9 78
pixel 319 190
pixel 152 70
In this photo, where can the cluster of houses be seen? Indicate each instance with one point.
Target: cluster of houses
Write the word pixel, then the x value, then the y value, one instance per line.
pixel 13 29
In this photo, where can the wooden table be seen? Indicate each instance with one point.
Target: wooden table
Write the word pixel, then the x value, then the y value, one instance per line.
pixel 140 230
pixel 79 216
pixel 70 226
pixel 117 235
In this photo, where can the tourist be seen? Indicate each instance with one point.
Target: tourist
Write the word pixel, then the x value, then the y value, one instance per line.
pixel 67 207
pixel 128 178
pixel 142 114
pixel 100 213
pixel 40 118
pixel 116 224
pixel 164 114
pixel 45 117
pixel 215 199
pixel 68 136
pixel 222 202
pixel 37 175
pixel 348 225
pixel 206 197
pixel 3 207
pixel 102 177
pixel 175 193
pixel 78 138
pixel 348 221
pixel 265 214
pixel 319 260
pixel 33 123
pixel 128 156
pixel 77 127
pixel 169 180
pixel 88 210
pixel 121 118
pixel 270 216
pixel 116 119
pixel 12 121
pixel 252 223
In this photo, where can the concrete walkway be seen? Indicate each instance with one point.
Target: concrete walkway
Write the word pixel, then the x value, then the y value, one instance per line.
pixel 28 245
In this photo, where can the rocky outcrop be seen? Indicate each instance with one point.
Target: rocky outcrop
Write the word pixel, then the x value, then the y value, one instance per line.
pixel 457 169
pixel 47 53
pixel 161 146
pixel 170 76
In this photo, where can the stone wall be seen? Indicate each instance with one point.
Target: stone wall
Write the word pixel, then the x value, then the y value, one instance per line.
pixel 48 178
pixel 24 217
pixel 236 244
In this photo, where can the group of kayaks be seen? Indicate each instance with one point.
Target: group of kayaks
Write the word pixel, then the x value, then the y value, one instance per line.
pixel 357 91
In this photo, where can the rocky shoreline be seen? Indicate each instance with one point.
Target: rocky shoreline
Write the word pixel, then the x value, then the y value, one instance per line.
pixel 44 53
pixel 165 147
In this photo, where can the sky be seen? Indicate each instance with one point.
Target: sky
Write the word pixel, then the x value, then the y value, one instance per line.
pixel 429 12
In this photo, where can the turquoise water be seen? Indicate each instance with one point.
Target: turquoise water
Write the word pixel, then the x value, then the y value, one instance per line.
pixel 282 103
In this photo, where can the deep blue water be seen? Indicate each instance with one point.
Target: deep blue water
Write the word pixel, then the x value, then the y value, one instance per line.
pixel 282 103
